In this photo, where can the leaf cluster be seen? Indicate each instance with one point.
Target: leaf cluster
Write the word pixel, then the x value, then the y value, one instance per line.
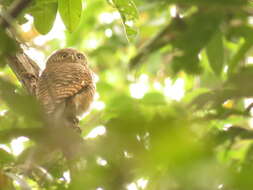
pixel 173 103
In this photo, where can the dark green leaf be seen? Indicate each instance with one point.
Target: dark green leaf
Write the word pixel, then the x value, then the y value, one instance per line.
pixel 193 36
pixel 23 104
pixel 6 2
pixel 215 53
pixel 5 157
pixel 7 45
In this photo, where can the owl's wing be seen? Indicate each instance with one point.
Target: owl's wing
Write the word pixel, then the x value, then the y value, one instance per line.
pixel 58 83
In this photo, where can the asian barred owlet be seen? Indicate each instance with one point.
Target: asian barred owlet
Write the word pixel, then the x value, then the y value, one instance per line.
pixel 66 87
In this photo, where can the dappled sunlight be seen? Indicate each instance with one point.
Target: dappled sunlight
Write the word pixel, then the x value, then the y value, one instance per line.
pixel 95 132
pixel 3 112
pixel 142 183
pixel 174 91
pixel 108 32
pixel 138 185
pixel 28 25
pixel 92 43
pixel 66 176
pixel 227 126
pixel 250 60
pixel 37 56
pixel 17 145
pixel 132 186
pixel 101 161
pixel 249 102
pixel 173 11
pixel 5 147
pixel 108 18
pixel 57 32
pixel 158 86
pixel 225 69
pixel 98 105
pixel 127 154
pixel 138 90
pixel 173 98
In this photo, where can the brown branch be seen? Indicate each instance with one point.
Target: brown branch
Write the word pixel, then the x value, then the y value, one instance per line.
pixel 248 109
pixel 26 70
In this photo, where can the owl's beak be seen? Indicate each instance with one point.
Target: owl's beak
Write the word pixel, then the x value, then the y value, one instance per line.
pixel 73 57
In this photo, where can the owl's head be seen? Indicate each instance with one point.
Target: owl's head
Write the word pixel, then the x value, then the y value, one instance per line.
pixel 67 55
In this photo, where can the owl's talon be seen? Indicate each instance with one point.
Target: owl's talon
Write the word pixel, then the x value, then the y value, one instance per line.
pixel 74 124
pixel 75 120
pixel 28 75
pixel 78 129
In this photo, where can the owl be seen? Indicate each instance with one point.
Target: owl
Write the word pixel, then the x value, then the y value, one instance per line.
pixel 66 87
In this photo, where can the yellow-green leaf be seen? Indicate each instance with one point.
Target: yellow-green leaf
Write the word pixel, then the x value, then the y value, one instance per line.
pixel 129 14
pixel 44 14
pixel 70 11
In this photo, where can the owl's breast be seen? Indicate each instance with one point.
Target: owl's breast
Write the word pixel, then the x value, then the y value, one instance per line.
pixel 84 98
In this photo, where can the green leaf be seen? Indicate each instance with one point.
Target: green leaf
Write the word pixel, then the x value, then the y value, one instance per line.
pixel 5 157
pixel 215 53
pixel 20 103
pixel 7 47
pixel 44 14
pixel 154 98
pixel 6 2
pixel 129 14
pixel 70 11
pixel 192 36
pixel 220 3
pixel 22 184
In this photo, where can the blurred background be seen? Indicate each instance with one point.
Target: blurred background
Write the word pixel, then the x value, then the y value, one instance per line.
pixel 172 109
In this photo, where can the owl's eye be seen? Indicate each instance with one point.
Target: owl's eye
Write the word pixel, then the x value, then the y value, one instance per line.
pixel 80 56
pixel 64 55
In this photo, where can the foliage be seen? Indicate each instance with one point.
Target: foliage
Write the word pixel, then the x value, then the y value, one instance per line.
pixel 174 97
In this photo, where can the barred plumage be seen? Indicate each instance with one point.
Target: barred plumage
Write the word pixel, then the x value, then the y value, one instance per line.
pixel 66 85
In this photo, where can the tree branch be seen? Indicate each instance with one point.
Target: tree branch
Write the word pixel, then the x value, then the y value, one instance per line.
pixel 162 38
pixel 15 9
pixel 234 132
pixel 26 70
